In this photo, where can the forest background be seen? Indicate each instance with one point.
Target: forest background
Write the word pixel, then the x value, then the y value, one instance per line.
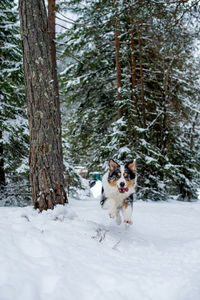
pixel 129 88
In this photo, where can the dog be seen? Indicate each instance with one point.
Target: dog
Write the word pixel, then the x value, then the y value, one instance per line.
pixel 118 190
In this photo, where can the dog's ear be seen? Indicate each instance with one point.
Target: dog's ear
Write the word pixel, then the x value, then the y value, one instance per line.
pixel 132 166
pixel 113 165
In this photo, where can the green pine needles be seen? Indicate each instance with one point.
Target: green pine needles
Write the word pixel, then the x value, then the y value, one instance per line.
pixel 13 122
pixel 130 83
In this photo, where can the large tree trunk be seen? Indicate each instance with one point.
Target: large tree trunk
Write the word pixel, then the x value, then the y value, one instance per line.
pixel 52 36
pixel 46 161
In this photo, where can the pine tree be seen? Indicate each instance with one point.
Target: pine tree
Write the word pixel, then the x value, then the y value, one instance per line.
pixel 94 91
pixel 154 55
pixel 13 123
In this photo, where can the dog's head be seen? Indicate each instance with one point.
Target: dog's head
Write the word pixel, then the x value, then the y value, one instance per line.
pixel 122 176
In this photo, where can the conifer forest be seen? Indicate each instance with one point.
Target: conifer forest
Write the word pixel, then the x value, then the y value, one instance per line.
pixel 98 79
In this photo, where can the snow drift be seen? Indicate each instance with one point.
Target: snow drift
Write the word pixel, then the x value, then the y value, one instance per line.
pixel 76 252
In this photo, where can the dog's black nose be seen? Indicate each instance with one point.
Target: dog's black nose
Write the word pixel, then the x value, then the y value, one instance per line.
pixel 122 184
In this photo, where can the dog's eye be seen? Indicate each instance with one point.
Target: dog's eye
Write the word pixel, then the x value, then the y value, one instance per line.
pixel 126 176
pixel 118 175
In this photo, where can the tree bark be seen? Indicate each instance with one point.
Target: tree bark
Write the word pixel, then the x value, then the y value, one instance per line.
pixel 133 64
pixel 46 160
pixel 118 64
pixel 52 36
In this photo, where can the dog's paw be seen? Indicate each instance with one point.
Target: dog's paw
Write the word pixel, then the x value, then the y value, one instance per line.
pixel 112 215
pixel 128 221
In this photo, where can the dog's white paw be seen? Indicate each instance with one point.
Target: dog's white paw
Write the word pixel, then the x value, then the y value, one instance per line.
pixel 112 215
pixel 128 221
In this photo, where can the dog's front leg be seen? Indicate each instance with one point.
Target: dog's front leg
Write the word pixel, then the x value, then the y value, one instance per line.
pixel 112 208
pixel 127 213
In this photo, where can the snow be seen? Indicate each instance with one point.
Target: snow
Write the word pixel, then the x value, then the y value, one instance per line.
pixel 96 189
pixel 76 252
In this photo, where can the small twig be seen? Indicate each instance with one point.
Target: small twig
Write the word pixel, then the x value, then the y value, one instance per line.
pixel 116 245
pixel 26 217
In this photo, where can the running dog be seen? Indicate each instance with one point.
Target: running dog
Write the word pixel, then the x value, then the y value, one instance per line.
pixel 118 190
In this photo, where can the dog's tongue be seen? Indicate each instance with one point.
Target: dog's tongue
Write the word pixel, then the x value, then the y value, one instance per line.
pixel 123 189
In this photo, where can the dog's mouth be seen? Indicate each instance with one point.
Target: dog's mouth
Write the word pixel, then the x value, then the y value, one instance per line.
pixel 123 189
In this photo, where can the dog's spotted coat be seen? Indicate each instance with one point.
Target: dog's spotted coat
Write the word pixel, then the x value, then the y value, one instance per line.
pixel 119 187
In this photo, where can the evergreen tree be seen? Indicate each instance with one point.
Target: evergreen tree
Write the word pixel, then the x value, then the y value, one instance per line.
pixel 13 123
pixel 128 82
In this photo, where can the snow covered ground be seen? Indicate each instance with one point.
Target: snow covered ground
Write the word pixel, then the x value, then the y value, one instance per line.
pixel 76 252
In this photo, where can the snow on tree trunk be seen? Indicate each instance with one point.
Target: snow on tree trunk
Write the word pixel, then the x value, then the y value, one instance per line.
pixel 46 160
